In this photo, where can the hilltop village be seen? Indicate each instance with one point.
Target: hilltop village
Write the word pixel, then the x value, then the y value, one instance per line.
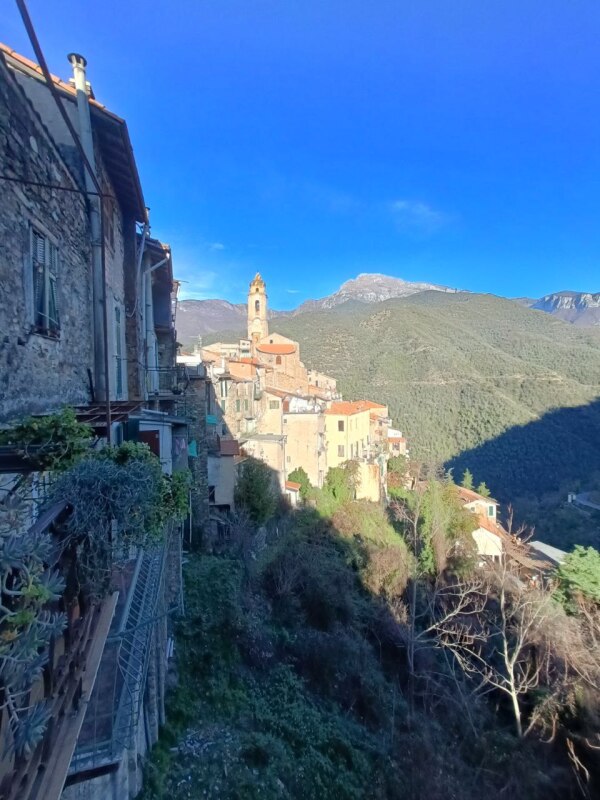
pixel 263 402
pixel 156 635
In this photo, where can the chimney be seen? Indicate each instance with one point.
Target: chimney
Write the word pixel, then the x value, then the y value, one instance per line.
pixel 79 81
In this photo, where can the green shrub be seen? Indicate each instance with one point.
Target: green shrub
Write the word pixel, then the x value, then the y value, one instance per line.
pixel 299 475
pixel 53 441
pixel 255 490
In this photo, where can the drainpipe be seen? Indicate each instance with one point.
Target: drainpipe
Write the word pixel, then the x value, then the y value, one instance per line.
pixel 100 311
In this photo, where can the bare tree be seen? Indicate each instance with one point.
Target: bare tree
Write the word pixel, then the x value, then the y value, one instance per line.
pixel 501 643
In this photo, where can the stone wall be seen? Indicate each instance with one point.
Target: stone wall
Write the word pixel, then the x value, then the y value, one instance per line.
pixel 37 372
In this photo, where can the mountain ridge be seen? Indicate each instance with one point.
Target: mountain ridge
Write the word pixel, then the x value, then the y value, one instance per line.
pixel 206 317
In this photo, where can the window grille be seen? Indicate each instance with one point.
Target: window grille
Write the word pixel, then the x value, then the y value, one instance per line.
pixel 44 262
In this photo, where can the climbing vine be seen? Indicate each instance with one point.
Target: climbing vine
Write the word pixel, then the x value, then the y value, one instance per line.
pixel 53 441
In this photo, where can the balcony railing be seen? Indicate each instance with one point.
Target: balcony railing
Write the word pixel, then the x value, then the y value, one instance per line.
pixel 167 382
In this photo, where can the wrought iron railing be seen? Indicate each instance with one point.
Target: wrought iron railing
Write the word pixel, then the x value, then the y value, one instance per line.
pixel 168 381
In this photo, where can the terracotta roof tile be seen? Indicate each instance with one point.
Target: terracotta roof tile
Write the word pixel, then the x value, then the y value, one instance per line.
pixel 293 486
pixel 276 349
pixel 345 408
pixel 469 496
pixel 63 85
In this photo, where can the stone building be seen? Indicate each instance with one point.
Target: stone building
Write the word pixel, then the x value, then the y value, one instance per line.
pixel 105 139
pixel 46 347
pixel 261 393
pixel 57 347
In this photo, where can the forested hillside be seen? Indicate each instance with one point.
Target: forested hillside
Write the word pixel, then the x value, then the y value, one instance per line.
pixel 456 370
pixel 461 370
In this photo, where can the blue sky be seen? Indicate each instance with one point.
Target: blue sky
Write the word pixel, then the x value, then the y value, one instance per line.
pixel 453 141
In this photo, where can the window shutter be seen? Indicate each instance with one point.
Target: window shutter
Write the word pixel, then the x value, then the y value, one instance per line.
pixel 38 259
pixel 53 320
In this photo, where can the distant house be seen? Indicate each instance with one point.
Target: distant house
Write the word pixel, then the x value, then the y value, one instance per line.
pixel 531 560
pixel 292 492
pixel 490 537
pixel 223 463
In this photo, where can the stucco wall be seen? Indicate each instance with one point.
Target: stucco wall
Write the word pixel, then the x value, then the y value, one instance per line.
pixel 487 543
pixel 369 482
pixel 222 474
pixel 354 436
pixel 304 435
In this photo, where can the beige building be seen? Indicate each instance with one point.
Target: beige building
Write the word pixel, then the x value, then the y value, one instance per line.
pixel 347 431
pixel 270 448
pixel 289 416
pixel 369 481
pixel 305 438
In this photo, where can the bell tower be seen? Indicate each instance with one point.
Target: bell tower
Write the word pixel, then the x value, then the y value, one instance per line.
pixel 258 327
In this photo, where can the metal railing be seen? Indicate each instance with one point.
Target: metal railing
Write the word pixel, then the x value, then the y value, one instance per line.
pixel 167 381
pixel 114 718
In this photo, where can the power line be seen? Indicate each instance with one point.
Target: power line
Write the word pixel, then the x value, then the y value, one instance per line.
pixel 22 6
pixel 43 185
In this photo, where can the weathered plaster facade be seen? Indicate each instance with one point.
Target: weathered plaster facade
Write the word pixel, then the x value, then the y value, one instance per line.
pixel 40 372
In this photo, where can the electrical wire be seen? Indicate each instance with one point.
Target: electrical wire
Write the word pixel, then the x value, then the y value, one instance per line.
pixel 22 6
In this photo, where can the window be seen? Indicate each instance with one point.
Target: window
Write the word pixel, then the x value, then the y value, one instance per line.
pixel 340 424
pixel 288 459
pixel 273 404
pixel 118 353
pixel 44 264
pixel 238 405
pixel 245 405
pixel 278 360
pixel 491 511
pixel 211 494
pixel 341 451
pixel 257 306
pixel 224 387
